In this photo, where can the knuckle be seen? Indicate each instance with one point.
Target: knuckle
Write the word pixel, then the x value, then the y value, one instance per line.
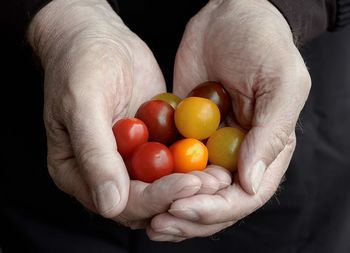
pixel 279 140
pixel 89 160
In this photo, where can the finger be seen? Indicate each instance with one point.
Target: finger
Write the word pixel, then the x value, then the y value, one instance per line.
pixel 90 129
pixel 67 178
pixel 170 225
pixel 233 203
pixel 147 200
pixel 160 237
pixel 278 102
pixel 222 175
pixel 209 184
pixel 62 166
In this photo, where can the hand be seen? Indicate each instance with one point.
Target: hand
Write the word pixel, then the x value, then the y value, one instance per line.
pixel 96 72
pixel 147 200
pixel 246 45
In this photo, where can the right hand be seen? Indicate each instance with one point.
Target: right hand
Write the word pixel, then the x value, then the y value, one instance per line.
pixel 96 72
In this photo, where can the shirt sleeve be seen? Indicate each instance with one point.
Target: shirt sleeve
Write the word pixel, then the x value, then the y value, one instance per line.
pixel 309 18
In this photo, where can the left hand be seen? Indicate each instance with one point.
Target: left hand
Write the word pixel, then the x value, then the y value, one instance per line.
pixel 246 45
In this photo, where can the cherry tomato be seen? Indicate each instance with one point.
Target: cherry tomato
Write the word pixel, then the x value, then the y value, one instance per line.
pixel 216 93
pixel 170 98
pixel 151 161
pixel 129 134
pixel 223 147
pixel 189 155
pixel 197 117
pixel 159 119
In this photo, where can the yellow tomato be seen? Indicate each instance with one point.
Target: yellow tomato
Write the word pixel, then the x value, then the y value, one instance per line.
pixel 197 117
pixel 223 147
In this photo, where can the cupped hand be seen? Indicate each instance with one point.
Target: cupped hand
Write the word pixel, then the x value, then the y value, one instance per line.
pixel 248 46
pixel 96 72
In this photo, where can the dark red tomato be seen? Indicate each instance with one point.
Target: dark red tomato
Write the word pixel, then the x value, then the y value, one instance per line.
pixel 151 161
pixel 159 119
pixel 129 134
pixel 127 163
pixel 216 93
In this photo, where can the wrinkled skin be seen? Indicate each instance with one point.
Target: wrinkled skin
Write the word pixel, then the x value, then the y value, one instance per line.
pixel 96 72
pixel 95 68
pixel 246 45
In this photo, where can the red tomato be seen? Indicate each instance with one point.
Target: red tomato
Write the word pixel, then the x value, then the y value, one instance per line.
pixel 129 134
pixel 159 118
pixel 151 161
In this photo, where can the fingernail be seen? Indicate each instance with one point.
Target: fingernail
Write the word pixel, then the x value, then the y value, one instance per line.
pixel 106 197
pixel 170 230
pixel 257 175
pixel 185 214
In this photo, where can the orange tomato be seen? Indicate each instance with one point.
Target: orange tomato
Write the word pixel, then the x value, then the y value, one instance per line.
pixel 189 154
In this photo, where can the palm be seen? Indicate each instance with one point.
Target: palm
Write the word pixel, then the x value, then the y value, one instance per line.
pixel 238 55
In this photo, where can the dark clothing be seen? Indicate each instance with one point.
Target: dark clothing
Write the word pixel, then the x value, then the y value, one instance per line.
pixel 311 212
pixel 307 19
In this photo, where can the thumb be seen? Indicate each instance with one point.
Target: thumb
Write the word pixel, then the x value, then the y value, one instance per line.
pixel 274 118
pixel 100 165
